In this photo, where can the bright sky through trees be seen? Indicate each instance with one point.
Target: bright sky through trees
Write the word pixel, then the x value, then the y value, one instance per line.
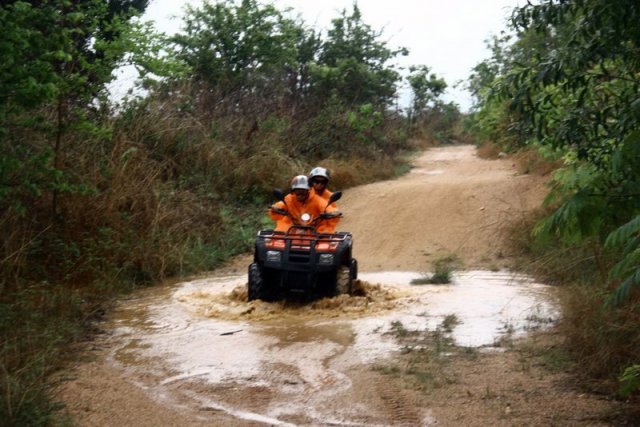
pixel 449 37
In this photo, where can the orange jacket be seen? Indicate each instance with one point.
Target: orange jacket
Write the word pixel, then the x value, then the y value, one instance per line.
pixel 325 196
pixel 330 223
pixel 314 206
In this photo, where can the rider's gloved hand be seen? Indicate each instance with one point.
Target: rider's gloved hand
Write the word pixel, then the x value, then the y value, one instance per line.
pixel 279 211
pixel 329 215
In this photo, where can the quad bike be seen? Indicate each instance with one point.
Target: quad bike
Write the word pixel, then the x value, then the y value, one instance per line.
pixel 302 263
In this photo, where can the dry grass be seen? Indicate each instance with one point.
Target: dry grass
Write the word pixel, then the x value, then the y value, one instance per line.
pixel 601 340
pixel 488 150
pixel 529 161
pixel 604 341
pixel 357 171
pixel 526 160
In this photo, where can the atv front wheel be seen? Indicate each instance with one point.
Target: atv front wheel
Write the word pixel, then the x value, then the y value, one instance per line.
pixel 343 280
pixel 256 284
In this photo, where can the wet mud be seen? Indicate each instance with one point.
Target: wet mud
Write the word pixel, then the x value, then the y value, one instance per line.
pixel 203 336
pixel 233 305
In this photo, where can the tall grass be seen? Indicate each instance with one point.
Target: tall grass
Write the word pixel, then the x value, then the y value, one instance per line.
pixel 602 340
pixel 443 269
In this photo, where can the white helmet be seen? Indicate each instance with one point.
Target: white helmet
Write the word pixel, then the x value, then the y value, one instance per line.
pixel 300 182
pixel 318 171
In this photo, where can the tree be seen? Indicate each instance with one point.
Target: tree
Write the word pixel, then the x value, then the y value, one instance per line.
pixel 581 97
pixel 569 86
pixel 427 89
pixel 56 58
pixel 241 47
pixel 354 64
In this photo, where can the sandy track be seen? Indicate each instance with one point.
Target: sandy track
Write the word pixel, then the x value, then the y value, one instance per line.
pixel 451 203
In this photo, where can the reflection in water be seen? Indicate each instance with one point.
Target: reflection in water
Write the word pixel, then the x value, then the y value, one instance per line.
pixel 488 304
pixel 206 330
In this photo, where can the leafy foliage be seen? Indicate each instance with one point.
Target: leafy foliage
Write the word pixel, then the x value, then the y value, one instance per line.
pixel 628 268
pixel 630 380
pixel 246 47
pixel 568 82
pixel 354 65
pixel 55 60
pixel 239 47
pixel 426 88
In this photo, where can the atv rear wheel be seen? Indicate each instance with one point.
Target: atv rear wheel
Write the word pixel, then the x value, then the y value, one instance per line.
pixel 343 280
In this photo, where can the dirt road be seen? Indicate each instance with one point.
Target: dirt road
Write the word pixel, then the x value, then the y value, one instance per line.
pixel 451 203
pixel 198 353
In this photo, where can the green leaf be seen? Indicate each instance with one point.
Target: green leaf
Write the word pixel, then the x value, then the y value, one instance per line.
pixel 630 381
pixel 621 235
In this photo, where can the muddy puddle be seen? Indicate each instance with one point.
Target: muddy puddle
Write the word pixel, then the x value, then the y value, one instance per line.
pixel 204 335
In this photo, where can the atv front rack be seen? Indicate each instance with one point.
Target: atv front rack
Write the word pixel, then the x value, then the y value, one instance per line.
pixel 302 238
pixel 302 250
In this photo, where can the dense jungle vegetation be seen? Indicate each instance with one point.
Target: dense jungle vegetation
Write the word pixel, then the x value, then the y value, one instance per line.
pixel 565 82
pixel 97 198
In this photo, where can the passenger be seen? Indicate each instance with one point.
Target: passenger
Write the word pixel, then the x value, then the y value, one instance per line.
pixel 319 179
pixel 301 200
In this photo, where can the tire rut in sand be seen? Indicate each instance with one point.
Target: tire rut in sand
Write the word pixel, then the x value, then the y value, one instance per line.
pixel 400 405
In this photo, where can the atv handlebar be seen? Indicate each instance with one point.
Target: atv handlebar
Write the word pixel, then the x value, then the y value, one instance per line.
pixel 300 221
pixel 335 196
pixel 279 211
pixel 329 215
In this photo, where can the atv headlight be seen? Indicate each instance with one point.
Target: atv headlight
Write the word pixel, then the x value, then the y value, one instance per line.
pixel 325 259
pixel 274 256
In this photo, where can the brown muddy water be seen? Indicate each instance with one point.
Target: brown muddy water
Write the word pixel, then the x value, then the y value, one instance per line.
pixel 205 332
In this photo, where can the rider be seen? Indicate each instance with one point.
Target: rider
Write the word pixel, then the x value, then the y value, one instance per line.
pixel 301 200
